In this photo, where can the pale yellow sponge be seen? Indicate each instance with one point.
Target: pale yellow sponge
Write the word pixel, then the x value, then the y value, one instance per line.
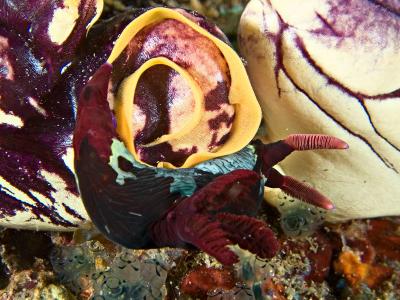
pixel 332 67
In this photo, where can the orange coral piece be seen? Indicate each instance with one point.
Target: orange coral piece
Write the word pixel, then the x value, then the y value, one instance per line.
pixel 202 280
pixel 364 248
pixel 275 291
pixel 357 272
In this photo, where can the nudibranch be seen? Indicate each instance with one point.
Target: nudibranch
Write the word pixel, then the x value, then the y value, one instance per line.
pixel 332 67
pixel 209 206
pixel 162 116
pixel 161 142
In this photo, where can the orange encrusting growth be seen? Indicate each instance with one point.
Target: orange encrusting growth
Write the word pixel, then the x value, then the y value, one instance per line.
pixel 356 272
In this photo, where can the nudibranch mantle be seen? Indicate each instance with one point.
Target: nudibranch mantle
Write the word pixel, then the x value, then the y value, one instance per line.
pixel 241 94
pixel 184 181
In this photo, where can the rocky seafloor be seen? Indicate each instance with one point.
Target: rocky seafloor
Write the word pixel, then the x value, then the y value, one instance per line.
pixel 225 13
pixel 356 260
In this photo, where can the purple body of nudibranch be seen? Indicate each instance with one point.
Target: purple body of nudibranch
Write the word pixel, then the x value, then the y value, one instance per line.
pixel 37 109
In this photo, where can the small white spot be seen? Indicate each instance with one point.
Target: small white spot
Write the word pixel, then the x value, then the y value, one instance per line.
pixel 107 229
pixel 63 21
pixel 4 59
pixel 135 214
pixel 11 119
pixel 65 67
pixel 68 159
pixel 35 104
pixel 138 119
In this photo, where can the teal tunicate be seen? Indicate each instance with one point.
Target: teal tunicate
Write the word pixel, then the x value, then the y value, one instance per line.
pixel 300 221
